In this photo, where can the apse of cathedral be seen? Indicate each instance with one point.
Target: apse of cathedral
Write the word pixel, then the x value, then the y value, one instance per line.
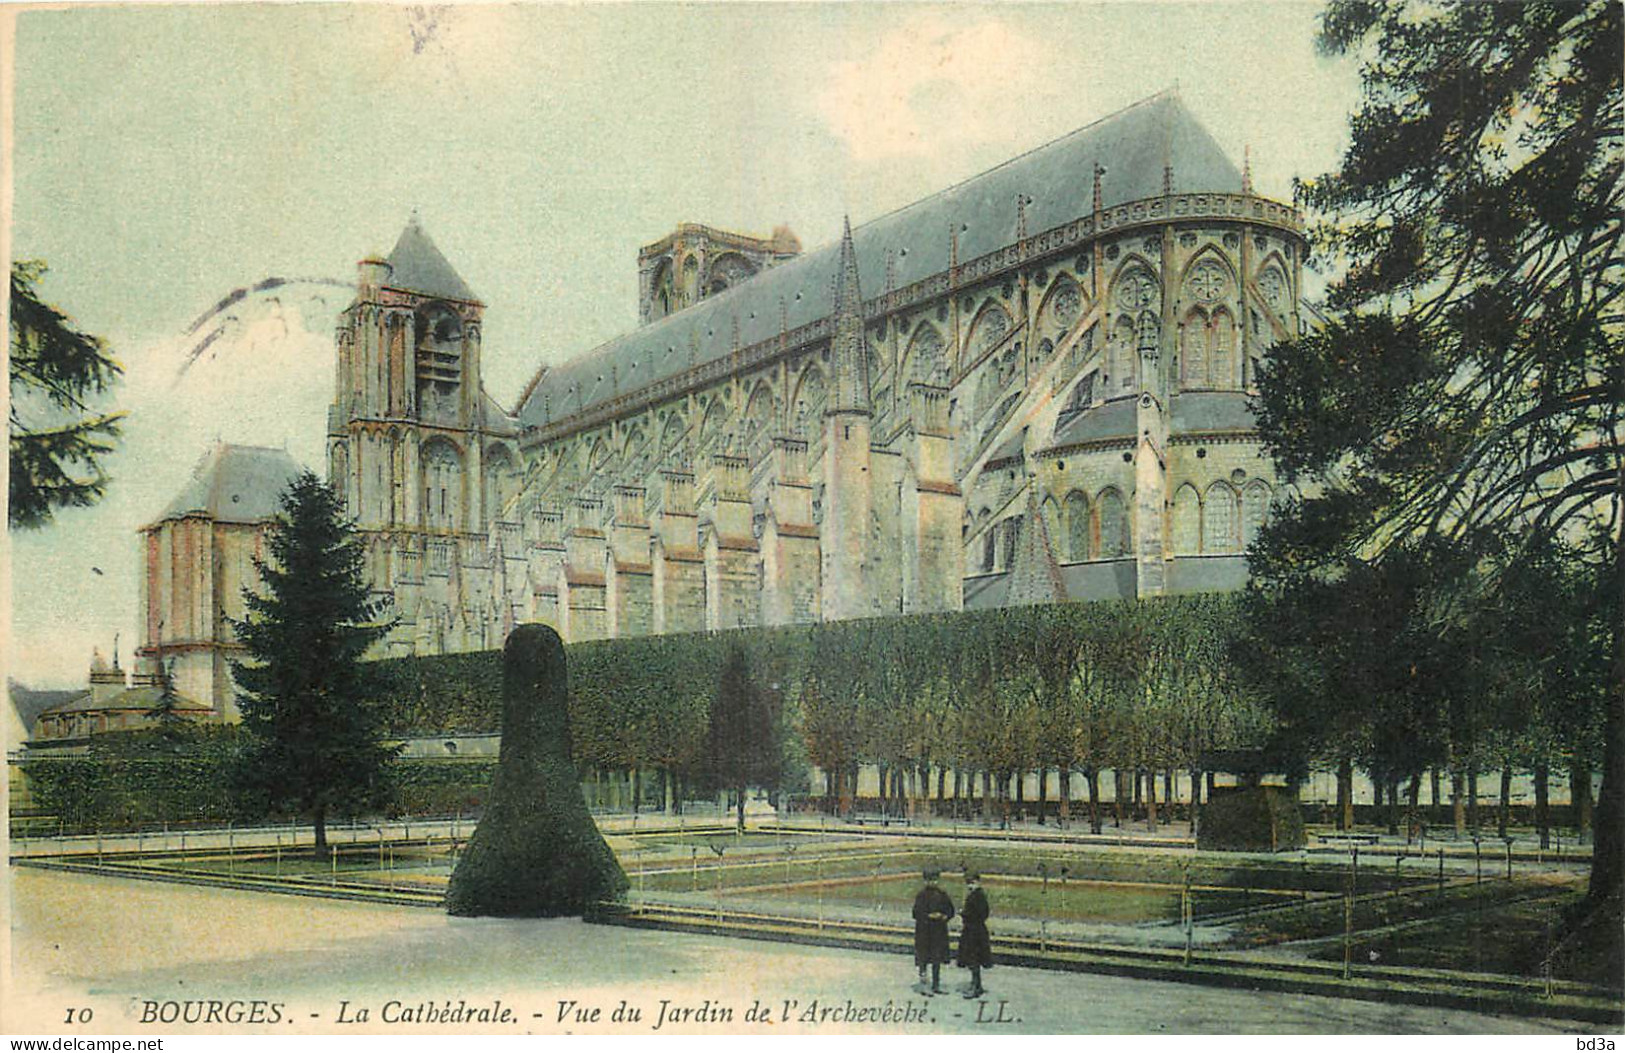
pixel 1030 387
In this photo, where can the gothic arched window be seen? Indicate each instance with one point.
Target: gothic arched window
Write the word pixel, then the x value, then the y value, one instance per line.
pixel 713 427
pixel 661 292
pixel 438 328
pixel 1187 522
pixel 758 422
pixel 1193 340
pixel 1077 526
pixel 691 282
pixel 1061 308
pixel 1222 350
pixel 1012 540
pixel 1122 355
pixel 989 328
pixel 501 481
pixel 672 448
pixel 339 476
pixel 1220 520
pixel 927 364
pixel 1114 542
pixel 809 402
pixel 1272 282
pixel 442 485
pixel 1255 510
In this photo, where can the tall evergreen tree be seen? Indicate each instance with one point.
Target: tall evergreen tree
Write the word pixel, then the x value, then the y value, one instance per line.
pixel 166 713
pixel 57 437
pixel 1468 385
pixel 313 744
pixel 745 740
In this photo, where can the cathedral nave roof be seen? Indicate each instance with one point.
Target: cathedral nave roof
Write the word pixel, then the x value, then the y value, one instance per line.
pixel 1057 179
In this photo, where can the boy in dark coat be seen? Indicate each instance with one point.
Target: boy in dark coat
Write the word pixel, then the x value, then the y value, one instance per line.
pixel 975 948
pixel 932 909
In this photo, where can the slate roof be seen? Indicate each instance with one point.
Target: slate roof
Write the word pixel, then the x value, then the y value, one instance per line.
pixel 986 591
pixel 1209 411
pixel 417 266
pixel 1194 412
pixel 496 418
pixel 30 702
pixel 236 484
pixel 1012 449
pixel 1133 146
pixel 130 698
pixel 1112 420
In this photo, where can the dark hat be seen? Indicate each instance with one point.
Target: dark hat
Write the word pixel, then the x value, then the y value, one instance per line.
pixel 971 875
pixel 932 873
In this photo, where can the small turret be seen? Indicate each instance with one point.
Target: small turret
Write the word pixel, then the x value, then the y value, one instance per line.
pixel 374 274
pixel 105 680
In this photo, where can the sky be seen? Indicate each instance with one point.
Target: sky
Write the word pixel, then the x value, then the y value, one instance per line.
pixel 165 156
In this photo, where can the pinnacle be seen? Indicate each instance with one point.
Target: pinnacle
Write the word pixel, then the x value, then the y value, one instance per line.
pixel 847 292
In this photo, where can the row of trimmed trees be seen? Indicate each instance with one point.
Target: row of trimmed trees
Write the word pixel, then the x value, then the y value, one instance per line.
pixel 935 703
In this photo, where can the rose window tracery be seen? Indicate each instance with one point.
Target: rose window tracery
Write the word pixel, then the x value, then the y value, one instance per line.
pixel 1135 291
pixel 1273 286
pixel 1208 282
pixel 1066 305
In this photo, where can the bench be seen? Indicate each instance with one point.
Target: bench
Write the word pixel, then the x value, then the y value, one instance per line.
pixel 877 820
pixel 1346 839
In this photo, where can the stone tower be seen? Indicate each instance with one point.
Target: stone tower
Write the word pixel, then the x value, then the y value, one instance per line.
pixel 197 557
pixel 848 493
pixel 407 394
pixel 409 443
pixel 695 261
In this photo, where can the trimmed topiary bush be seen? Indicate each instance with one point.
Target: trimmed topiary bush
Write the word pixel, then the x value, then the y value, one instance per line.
pixel 536 851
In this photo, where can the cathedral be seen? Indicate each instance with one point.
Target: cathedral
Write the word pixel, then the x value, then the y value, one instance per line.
pixel 1030 387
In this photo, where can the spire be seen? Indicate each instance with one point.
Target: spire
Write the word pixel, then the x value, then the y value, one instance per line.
pixel 847 293
pixel 1247 169
pixel 1099 172
pixel 850 349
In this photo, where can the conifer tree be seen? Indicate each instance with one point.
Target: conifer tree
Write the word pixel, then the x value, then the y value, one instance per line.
pixel 172 723
pixel 745 741
pixel 57 437
pixel 313 743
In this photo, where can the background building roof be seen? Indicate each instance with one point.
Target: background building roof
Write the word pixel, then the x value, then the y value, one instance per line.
pixel 236 484
pixel 146 697
pixel 30 703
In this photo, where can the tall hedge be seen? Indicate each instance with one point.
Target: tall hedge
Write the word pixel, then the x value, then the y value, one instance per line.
pixel 1135 684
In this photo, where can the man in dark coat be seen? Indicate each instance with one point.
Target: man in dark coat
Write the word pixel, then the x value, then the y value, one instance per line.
pixel 975 947
pixel 932 909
